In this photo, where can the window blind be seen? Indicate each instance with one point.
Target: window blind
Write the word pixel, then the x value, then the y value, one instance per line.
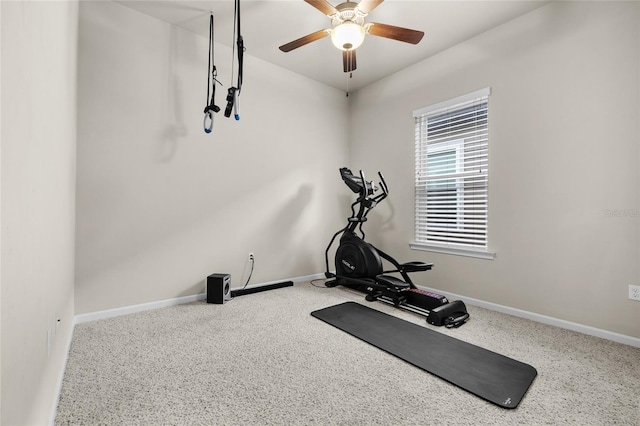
pixel 451 172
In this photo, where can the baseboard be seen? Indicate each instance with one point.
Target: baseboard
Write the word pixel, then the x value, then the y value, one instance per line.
pixel 125 310
pixel 568 325
pixel 585 329
pixel 56 397
pixel 544 319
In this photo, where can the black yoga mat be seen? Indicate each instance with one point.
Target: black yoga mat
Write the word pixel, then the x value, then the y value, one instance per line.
pixel 491 376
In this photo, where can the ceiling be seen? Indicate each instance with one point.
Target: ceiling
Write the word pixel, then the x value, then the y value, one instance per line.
pixel 267 24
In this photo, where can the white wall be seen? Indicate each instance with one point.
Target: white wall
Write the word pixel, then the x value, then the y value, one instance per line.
pixel 39 42
pixel 160 204
pixel 564 151
pixel 0 217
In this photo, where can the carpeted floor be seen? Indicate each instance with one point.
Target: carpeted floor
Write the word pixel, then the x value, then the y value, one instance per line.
pixel 263 359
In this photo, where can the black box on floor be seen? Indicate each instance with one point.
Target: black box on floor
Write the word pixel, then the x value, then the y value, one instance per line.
pixel 218 288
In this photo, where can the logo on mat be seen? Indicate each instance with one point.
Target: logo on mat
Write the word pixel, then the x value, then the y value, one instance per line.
pixel 507 401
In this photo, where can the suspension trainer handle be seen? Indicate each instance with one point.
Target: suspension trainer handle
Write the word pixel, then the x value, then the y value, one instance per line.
pixel 207 123
pixel 231 98
pixel 236 105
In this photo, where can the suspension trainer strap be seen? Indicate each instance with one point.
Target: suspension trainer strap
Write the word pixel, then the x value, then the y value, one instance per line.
pixel 234 92
pixel 240 43
pixel 212 79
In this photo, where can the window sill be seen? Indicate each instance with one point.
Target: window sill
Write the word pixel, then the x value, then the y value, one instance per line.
pixel 479 254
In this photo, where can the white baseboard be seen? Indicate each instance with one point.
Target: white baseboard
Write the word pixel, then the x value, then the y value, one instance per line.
pixel 585 329
pixel 125 310
pixel 56 397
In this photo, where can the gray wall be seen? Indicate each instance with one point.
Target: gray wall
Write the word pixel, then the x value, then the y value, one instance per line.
pixel 161 205
pixel 564 154
pixel 38 154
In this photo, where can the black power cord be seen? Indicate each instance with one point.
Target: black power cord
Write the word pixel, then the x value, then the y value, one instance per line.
pixel 253 261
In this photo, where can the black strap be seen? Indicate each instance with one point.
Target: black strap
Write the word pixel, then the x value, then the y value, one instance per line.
pixel 212 79
pixel 210 58
pixel 240 45
pixel 212 72
pixel 234 92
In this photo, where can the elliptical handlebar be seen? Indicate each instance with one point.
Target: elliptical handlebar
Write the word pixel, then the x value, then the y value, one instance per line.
pixel 351 181
pixel 383 184
pixel 359 185
pixel 364 184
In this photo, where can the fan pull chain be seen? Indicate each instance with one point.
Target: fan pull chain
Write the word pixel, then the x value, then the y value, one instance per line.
pixel 350 76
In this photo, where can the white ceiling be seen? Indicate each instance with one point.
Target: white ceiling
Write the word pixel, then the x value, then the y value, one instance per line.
pixel 267 24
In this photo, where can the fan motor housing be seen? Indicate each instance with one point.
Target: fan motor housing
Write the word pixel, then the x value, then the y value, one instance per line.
pixel 348 11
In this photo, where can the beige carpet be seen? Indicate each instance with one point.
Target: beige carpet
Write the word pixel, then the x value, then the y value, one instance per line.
pixel 262 359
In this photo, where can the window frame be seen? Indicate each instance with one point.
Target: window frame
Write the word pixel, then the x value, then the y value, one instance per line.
pixel 482 252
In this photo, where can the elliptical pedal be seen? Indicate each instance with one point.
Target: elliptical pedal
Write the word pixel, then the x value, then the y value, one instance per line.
pixel 392 282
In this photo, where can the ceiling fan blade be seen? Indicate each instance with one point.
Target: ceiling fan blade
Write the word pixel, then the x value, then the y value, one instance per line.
pixel 366 6
pixel 395 33
pixel 323 6
pixel 348 60
pixel 304 40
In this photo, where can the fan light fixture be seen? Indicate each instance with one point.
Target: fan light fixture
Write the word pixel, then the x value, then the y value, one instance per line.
pixel 348 29
pixel 347 36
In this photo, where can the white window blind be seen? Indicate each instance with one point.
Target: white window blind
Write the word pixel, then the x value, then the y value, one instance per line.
pixel 451 173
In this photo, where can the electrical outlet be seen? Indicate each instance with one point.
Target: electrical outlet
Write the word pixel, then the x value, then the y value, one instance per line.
pixel 251 258
pixel 634 292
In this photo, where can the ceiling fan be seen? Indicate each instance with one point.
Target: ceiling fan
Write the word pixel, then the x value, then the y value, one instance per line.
pixel 348 29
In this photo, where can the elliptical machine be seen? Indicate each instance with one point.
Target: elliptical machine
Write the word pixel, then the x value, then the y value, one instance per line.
pixel 359 264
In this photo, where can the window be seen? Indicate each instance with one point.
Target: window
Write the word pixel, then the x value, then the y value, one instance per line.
pixel 451 176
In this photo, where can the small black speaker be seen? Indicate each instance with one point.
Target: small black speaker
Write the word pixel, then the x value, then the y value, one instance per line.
pixel 218 288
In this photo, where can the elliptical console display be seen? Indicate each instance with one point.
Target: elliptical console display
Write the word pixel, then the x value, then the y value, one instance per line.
pixel 359 265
